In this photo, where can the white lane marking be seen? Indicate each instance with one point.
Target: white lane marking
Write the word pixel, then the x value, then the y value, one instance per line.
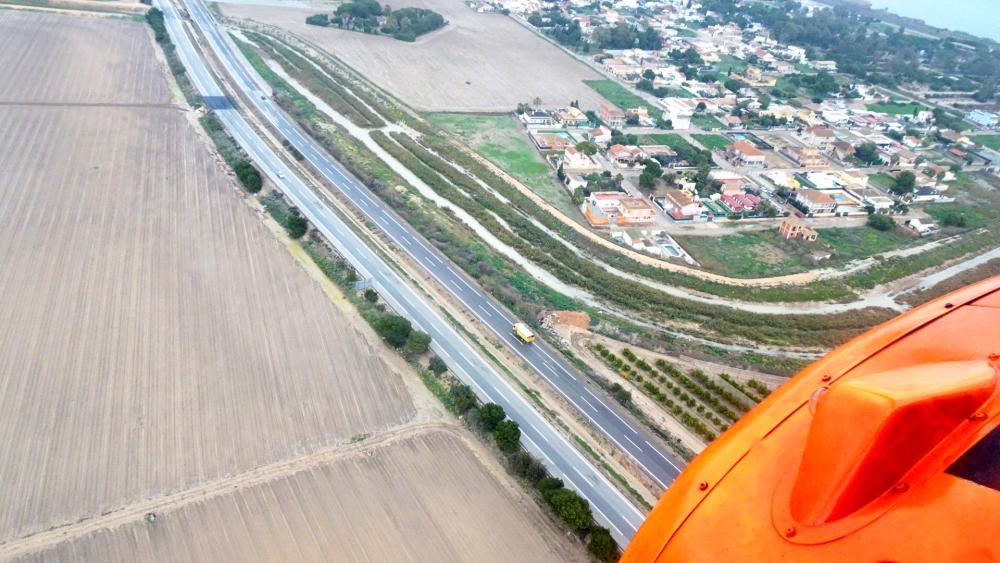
pixel 612 411
pixel 633 443
pixel 608 520
pixel 584 399
pixel 492 306
pixel 461 279
pixel 635 459
pixel 584 477
pixel 452 282
pixel 665 458
pixel 483 309
pixel 393 219
pixel 540 450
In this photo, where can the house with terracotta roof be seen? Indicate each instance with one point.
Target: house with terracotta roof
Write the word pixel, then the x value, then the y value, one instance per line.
pixel 806 157
pixel 815 201
pixel 680 205
pixel 611 116
pixel 625 156
pixel 743 153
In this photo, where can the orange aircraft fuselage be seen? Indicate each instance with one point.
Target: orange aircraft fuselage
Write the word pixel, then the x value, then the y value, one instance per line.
pixel 887 449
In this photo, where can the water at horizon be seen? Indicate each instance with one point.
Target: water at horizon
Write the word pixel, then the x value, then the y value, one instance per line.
pixel 978 17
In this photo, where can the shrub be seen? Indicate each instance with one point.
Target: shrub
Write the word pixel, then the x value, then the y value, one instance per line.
pixel 508 436
pixel 491 415
pixel 462 397
pixel 371 296
pixel 881 222
pixel 547 484
pixel 393 329
pixel 296 226
pixel 437 365
pixel 602 545
pixel 416 343
pixel 249 176
pixel 573 510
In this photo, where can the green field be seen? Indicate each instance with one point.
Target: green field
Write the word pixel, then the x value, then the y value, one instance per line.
pixel 989 141
pixel 672 140
pixel 501 139
pixel 884 181
pixel 712 142
pixel 618 95
pixel 765 253
pixel 706 122
pixel 750 254
pixel 975 217
pixel 729 62
pixel 897 108
pixel 851 243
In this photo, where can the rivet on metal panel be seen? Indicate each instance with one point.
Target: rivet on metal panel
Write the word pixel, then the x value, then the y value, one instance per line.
pixel 901 486
pixel 790 532
pixel 826 377
pixel 949 305
pixel 978 416
pixel 703 486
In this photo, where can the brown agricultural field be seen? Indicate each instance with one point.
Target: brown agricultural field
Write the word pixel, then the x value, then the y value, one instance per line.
pixel 478 62
pixel 161 349
pixel 423 498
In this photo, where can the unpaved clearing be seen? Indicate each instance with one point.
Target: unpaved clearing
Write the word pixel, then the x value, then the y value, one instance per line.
pixel 478 62
pixel 425 498
pixel 153 333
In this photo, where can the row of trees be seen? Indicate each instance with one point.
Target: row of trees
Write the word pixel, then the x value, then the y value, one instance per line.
pixel 572 509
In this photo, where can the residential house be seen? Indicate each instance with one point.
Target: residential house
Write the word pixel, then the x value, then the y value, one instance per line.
pixel 641 115
pixel 607 208
pixel 611 116
pixel 600 135
pixel 679 111
pixel 743 153
pixel 828 66
pixel 634 211
pixel 550 141
pixel 574 161
pixel 842 150
pixel 926 194
pixel 680 205
pixel 793 228
pixel 815 201
pixel 806 157
pixel 820 137
pixel 740 202
pixel 572 117
pixel 731 182
pixel 625 156
pixel 538 118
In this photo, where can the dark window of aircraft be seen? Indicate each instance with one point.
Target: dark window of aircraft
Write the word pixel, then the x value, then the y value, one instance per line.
pixel 981 464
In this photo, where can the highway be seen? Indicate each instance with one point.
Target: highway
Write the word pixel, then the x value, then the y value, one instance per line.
pixel 611 507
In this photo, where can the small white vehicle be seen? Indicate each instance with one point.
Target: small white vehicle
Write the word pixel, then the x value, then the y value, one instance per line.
pixel 281 175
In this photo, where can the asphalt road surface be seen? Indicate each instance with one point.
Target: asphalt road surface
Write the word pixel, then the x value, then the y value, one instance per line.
pixel 566 461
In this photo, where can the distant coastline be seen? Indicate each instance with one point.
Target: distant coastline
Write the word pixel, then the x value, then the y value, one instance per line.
pixel 914 15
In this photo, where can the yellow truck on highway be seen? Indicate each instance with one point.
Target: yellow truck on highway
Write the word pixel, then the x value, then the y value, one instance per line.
pixel 523 333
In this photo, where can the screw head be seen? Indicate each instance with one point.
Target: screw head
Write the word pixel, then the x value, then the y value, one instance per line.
pixel 703 486
pixel 790 532
pixel 901 486
pixel 978 416
pixel 949 305
pixel 826 377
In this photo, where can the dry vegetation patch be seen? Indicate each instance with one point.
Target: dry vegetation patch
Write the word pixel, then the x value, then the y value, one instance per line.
pixel 479 62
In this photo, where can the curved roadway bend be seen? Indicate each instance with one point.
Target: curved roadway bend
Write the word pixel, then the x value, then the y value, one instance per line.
pixel 611 506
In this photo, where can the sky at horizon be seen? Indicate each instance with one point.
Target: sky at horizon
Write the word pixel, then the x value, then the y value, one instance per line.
pixel 978 17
